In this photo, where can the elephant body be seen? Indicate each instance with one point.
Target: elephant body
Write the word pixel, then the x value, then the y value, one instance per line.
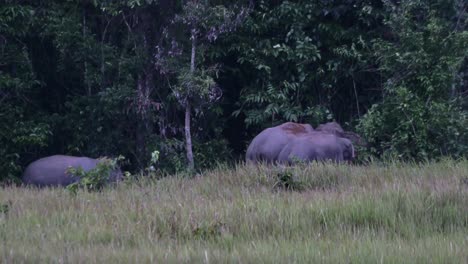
pixel 317 146
pixel 291 141
pixel 267 145
pixel 52 170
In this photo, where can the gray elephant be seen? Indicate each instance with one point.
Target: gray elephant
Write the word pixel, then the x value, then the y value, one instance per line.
pixel 52 170
pixel 267 145
pixel 330 127
pixel 336 129
pixel 318 146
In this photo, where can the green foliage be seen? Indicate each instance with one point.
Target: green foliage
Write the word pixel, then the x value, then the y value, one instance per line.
pixel 5 208
pixel 210 231
pixel 104 77
pixel 197 86
pixel 208 154
pixel 404 126
pixel 419 116
pixel 279 62
pixel 211 153
pixel 96 123
pixel 288 181
pixel 153 164
pixel 95 179
pixel 298 56
pixel 171 155
pixel 154 157
pixel 22 130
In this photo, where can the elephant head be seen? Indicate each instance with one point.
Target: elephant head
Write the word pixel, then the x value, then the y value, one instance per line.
pixel 336 129
pixel 348 149
pixel 330 127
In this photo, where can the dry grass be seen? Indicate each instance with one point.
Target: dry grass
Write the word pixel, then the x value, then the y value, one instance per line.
pixel 398 213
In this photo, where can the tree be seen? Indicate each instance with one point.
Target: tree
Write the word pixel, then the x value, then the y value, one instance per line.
pixel 104 78
pixel 205 23
pixel 145 22
pixel 305 61
pixel 22 130
pixel 420 115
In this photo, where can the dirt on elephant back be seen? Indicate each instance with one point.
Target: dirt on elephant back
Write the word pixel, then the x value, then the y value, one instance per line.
pixel 294 128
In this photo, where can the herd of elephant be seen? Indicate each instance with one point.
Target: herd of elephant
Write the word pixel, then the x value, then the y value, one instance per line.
pixel 284 144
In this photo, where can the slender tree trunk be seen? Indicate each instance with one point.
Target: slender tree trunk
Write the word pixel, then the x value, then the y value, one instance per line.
pixel 357 98
pixel 144 44
pixel 188 136
pixel 144 128
pixel 103 38
pixel 453 90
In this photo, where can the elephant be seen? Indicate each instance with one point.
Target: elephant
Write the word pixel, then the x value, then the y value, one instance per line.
pixel 52 170
pixel 336 129
pixel 330 127
pixel 267 145
pixel 318 146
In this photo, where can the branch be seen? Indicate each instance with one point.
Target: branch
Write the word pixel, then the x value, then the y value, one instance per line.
pixel 103 37
pixel 129 30
pixel 357 100
pixel 462 12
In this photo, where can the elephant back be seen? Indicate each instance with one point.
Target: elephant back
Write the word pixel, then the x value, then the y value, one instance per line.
pixel 295 128
pixel 331 127
pixel 267 145
pixel 53 170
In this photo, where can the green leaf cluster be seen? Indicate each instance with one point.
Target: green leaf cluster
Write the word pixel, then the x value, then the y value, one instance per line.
pixel 420 116
pixel 95 179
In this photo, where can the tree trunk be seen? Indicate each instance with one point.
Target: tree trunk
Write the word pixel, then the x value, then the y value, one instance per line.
pixel 188 136
pixel 144 128
pixel 144 44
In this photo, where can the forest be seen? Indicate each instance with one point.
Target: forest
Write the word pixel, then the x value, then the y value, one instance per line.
pixel 174 93
pixel 187 84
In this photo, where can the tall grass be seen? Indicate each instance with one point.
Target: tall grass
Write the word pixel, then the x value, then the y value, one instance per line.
pixel 397 213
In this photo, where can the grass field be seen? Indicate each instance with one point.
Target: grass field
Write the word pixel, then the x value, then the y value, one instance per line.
pixel 320 213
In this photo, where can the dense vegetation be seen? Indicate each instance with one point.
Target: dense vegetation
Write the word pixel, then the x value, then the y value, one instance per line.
pixel 397 213
pixel 131 77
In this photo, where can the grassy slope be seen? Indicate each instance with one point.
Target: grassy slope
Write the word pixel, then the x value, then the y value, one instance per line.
pixel 398 213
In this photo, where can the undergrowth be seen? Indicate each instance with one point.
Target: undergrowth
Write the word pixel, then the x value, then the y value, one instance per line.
pixel 312 213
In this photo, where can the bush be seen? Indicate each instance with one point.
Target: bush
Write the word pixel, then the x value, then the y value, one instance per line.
pixel 420 115
pixel 95 179
pixel 406 127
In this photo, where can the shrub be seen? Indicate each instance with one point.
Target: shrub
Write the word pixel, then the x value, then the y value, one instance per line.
pixel 95 179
